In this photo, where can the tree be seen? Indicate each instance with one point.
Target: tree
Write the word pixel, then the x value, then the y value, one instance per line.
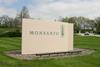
pixel 71 20
pixel 76 24
pixel 6 21
pixel 97 25
pixel 24 13
pixel 65 19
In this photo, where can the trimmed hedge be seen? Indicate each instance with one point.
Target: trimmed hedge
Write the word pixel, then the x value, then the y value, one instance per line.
pixel 15 33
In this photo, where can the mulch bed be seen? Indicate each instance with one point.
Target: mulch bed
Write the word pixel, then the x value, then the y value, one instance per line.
pixel 76 52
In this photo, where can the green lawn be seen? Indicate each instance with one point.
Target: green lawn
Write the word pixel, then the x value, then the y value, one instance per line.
pixel 14 43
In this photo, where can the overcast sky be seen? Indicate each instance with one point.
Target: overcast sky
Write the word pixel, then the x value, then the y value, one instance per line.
pixel 52 9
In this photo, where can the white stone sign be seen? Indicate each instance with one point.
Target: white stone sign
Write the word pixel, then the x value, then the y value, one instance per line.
pixel 41 36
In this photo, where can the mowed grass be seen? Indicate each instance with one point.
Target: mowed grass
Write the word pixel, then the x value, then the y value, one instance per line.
pixel 14 43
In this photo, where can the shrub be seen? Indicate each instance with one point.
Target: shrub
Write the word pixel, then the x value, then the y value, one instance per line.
pixel 16 33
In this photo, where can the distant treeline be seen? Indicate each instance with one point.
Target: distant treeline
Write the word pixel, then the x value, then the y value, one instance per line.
pixel 8 22
pixel 81 24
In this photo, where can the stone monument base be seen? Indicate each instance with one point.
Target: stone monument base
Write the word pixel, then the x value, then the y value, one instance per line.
pixel 76 52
